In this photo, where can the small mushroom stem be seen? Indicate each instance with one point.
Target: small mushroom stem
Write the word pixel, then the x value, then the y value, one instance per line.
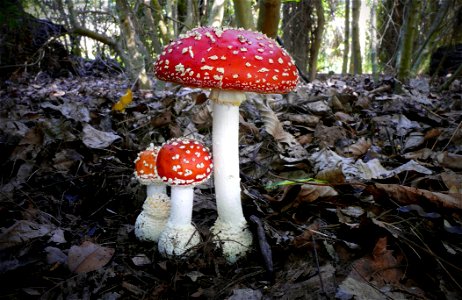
pixel 155 188
pixel 181 200
pixel 179 235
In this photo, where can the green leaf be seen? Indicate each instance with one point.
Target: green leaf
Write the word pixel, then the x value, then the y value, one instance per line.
pixel 292 182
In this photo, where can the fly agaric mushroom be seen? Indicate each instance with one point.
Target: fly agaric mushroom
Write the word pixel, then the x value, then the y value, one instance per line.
pixel 152 219
pixel 182 164
pixel 230 62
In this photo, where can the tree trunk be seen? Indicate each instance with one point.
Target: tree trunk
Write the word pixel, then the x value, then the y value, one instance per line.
pixel 26 42
pixel 151 24
pixel 316 40
pixel 171 12
pixel 192 15
pixel 159 19
pixel 243 13
pixel 374 39
pixel 216 13
pixel 346 41
pixel 356 66
pixel 434 28
pixel 297 25
pixel 134 58
pixel 407 38
pixel 268 17
pixel 389 18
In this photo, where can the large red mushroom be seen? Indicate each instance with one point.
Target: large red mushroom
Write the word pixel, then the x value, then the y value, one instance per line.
pixel 230 62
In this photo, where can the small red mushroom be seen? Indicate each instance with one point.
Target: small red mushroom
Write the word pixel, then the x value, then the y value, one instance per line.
pixel 146 171
pixel 230 62
pixel 152 219
pixel 182 164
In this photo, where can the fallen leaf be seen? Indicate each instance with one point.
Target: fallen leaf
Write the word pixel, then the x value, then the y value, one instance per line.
pixel 194 275
pixel 312 192
pixel 246 294
pixel 71 109
pixel 57 236
pixel 88 257
pixel 450 160
pixel 97 139
pixel 359 148
pixel 334 175
pixel 124 101
pixel 55 255
pixel 417 208
pixel 141 260
pixel 22 231
pixel 305 239
pixel 411 195
pixel 286 141
pixel 381 267
pixel 453 181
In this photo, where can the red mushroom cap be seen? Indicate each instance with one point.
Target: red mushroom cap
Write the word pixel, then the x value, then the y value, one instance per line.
pixel 184 162
pixel 229 59
pixel 145 165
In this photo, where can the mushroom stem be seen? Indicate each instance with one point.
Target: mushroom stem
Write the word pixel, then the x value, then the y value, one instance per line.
pixel 225 138
pixel 181 206
pixel 179 235
pixel 230 229
pixel 155 188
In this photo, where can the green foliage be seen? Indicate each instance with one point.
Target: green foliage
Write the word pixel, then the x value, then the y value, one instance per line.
pixel 11 13
pixel 292 182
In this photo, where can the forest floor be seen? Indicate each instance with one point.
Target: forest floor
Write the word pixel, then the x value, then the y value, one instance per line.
pixel 356 184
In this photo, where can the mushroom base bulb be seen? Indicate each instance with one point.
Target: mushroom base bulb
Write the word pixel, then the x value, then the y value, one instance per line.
pixel 177 240
pixel 152 220
pixel 235 240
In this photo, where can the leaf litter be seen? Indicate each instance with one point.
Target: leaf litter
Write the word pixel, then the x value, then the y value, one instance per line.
pixel 351 190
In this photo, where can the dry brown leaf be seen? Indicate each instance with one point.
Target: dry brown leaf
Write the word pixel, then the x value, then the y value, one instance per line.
pixel 201 116
pixel 327 137
pixel 453 181
pixel 343 117
pixel 359 148
pixel 286 141
pixel 432 133
pixel 304 239
pixel 450 160
pixel 410 195
pixel 312 192
pixel 382 268
pixel 93 138
pixel 248 128
pixel 88 257
pixel 306 120
pixel 305 139
pixel 162 119
pixel 332 175
pixel 21 232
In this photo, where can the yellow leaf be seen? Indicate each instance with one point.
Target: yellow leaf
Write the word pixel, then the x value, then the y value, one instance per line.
pixel 124 101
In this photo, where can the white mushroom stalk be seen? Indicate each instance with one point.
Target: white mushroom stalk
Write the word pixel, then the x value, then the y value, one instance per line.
pixel 230 229
pixel 179 235
pixel 152 219
pixel 182 164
